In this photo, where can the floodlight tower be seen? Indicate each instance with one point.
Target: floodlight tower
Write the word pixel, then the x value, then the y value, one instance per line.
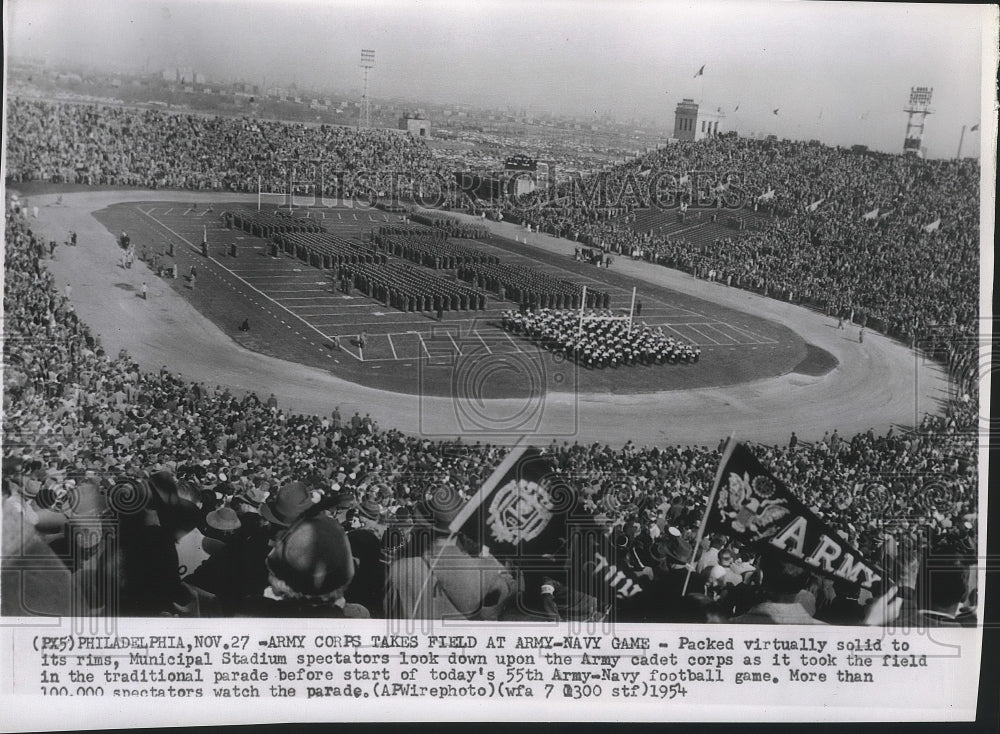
pixel 367 63
pixel 917 111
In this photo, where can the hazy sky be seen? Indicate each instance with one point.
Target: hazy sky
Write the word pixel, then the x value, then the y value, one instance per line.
pixel 836 71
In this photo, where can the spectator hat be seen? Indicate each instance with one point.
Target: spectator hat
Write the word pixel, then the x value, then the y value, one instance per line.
pixel 292 500
pixel 672 548
pixel 254 495
pixel 223 519
pixel 313 557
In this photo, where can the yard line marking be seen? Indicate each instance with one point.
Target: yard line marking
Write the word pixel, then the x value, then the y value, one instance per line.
pixel 480 337
pixel 167 211
pixel 309 298
pixel 423 345
pixel 721 333
pixel 682 335
pixel 457 348
pixel 512 342
pixel 394 355
pixel 694 328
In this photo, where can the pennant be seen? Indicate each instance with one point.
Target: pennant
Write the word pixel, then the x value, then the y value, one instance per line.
pixel 645 172
pixel 870 215
pixel 974 128
pixel 749 503
pixel 737 108
pixel 701 71
pixel 769 194
pixel 684 179
pixel 815 205
pixel 776 110
pixel 933 226
pixel 529 515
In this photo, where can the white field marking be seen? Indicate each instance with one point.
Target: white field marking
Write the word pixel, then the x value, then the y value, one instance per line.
pixel 478 336
pixel 723 334
pixel 249 285
pixel 393 348
pixel 695 329
pixel 457 348
pixel 309 298
pixel 685 337
pixel 423 345
pixel 185 211
pixel 415 322
pixel 303 290
pixel 357 356
pixel 512 341
pixel 760 339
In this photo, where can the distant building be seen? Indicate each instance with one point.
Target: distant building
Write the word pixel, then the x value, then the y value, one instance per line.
pixel 693 123
pixel 417 125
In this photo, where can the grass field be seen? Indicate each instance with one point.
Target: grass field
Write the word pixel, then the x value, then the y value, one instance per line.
pixel 296 313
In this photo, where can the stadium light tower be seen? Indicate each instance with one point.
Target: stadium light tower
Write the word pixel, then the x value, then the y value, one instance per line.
pixel 367 63
pixel 917 111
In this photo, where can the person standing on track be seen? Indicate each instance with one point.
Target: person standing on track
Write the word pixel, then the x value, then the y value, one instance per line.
pixel 144 291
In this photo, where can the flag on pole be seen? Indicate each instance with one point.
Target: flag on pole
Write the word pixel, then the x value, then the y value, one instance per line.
pixel 529 515
pixel 749 503
pixel 769 194
pixel 701 71
pixel 933 226
pixel 870 215
pixel 974 128
pixel 815 205
pixel 776 110
pixel 737 108
pixel 684 179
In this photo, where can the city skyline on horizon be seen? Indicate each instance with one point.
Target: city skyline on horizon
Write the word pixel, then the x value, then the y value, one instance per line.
pixel 541 73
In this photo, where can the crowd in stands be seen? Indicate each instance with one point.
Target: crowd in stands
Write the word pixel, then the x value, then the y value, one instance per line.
pixel 890 242
pixel 600 340
pixel 151 494
pixel 886 240
pixel 118 146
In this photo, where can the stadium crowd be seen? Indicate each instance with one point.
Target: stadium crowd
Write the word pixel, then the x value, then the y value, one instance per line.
pixel 118 146
pixel 884 240
pixel 155 495
pixel 600 340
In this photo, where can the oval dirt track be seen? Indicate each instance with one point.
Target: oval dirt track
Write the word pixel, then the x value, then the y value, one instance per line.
pixel 876 384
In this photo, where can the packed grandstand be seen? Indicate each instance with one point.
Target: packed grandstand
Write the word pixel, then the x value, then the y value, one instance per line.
pixel 886 241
